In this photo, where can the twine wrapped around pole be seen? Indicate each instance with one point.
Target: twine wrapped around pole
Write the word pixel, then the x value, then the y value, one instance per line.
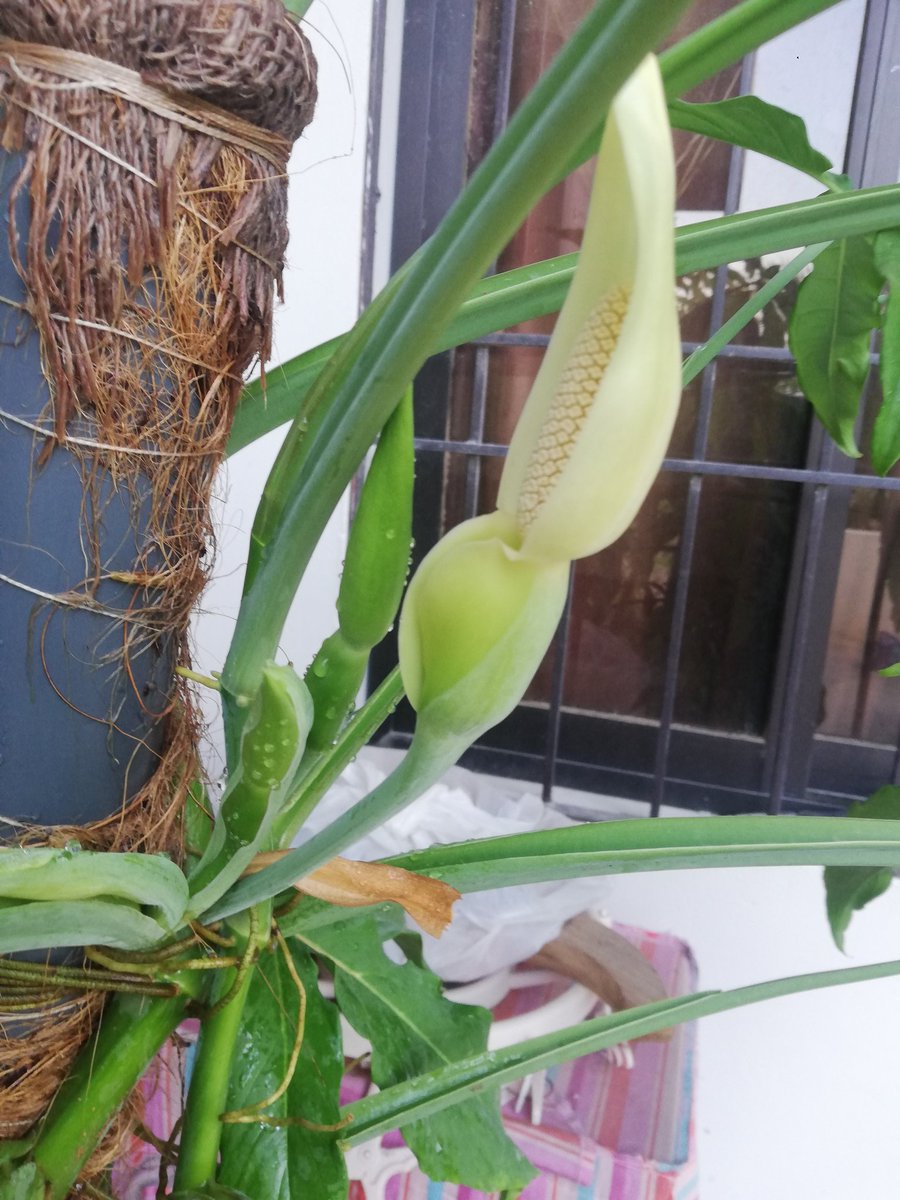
pixel 144 155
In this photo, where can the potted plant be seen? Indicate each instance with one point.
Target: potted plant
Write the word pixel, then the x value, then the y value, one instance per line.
pixel 217 931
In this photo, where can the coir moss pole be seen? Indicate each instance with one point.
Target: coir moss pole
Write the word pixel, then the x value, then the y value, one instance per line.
pixel 143 156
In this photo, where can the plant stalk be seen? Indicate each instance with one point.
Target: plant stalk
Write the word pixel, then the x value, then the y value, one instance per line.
pixel 367 376
pixel 106 1071
pixel 198 1153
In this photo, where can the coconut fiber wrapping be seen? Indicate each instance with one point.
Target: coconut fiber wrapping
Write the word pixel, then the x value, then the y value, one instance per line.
pixel 155 136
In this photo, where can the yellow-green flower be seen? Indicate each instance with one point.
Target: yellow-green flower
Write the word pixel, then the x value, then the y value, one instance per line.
pixel 482 608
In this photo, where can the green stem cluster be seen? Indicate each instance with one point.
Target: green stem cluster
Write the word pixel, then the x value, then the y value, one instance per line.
pixel 368 374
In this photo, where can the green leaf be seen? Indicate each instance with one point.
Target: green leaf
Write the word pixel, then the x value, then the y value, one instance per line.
pixel 848 889
pixel 427 1095
pixel 540 288
pixel 24 1183
pixel 299 8
pixel 613 848
pixel 753 124
pixel 47 924
pixel 886 433
pixel 410 945
pixel 43 873
pixel 890 672
pixel 830 331
pixel 289 1162
pixel 413 1030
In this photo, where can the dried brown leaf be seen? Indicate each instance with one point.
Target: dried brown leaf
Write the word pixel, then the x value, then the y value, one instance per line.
pixel 351 884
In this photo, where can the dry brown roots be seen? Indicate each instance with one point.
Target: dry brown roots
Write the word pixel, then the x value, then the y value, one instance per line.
pixel 154 137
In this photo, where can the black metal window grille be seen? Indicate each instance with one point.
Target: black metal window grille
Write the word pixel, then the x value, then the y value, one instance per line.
pixel 789 764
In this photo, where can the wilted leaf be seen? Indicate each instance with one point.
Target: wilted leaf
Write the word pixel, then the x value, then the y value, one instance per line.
pixel 292 1162
pixel 848 889
pixel 886 433
pixel 414 1029
pixel 753 124
pixel 351 884
pixel 606 962
pixel 830 331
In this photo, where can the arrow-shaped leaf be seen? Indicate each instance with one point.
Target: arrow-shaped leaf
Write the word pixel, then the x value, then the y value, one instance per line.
pixel 413 1030
pixel 451 1085
pixel 830 332
pixel 753 124
pixel 848 889
pixel 292 1161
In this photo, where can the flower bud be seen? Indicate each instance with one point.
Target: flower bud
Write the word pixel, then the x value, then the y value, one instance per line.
pixel 477 619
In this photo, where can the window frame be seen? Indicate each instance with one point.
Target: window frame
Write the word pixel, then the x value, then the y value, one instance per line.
pixel 790 767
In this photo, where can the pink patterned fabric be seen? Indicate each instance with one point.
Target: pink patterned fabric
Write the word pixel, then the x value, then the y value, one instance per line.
pixel 607 1132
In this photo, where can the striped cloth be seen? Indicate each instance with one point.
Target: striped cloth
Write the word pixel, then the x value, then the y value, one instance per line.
pixel 607 1131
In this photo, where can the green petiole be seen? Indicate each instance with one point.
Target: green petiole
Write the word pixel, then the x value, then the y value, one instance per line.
pixel 375 570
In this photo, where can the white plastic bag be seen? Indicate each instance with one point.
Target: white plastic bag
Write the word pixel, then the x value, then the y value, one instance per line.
pixel 490 930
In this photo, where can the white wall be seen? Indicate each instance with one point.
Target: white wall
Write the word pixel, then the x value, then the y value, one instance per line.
pixel 321 299
pixel 796 1097
pixel 809 70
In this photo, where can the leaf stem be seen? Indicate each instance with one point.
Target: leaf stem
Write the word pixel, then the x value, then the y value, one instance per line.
pixel 322 773
pixel 704 354
pixel 422 765
pixel 415 1099
pixel 727 38
pixel 106 1071
pixel 540 288
pixel 366 378
pixel 207 1097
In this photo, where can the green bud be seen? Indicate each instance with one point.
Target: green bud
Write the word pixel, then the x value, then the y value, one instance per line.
pixel 476 623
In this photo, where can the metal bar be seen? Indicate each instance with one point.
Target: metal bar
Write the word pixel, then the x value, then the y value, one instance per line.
pixel 779 354
pixel 557 687
pixel 692 507
pixel 788 727
pixel 698 466
pixel 797 691
pixel 430 172
pixel 891 531
pixel 505 65
pixel 373 153
pixel 482 354
pixel 476 428
pixel 865 150
pixel 812 476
